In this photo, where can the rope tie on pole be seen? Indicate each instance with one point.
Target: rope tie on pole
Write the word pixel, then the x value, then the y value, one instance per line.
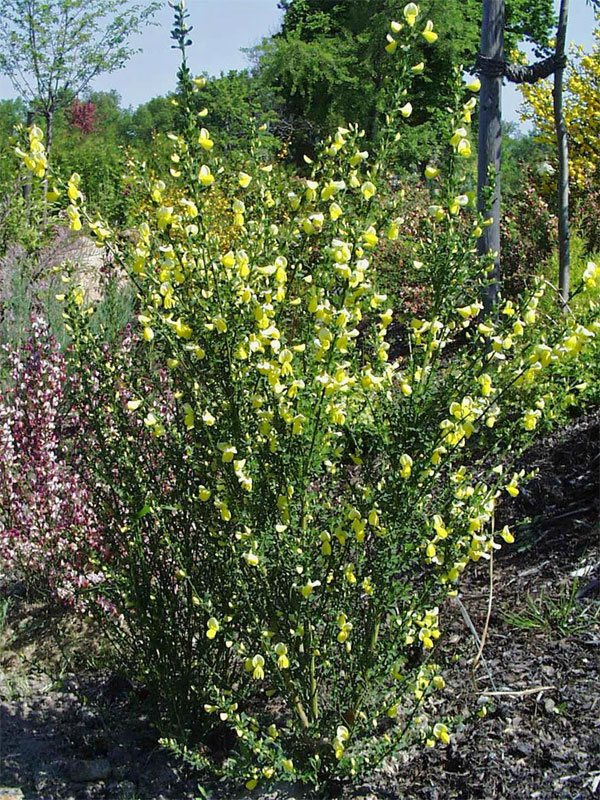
pixel 519 73
pixel 490 67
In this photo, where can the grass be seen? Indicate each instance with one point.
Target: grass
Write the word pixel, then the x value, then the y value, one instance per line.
pixel 563 614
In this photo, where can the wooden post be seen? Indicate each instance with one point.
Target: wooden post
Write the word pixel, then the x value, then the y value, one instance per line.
pixel 490 138
pixel 564 243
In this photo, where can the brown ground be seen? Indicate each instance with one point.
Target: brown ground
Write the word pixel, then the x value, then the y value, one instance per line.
pixel 538 677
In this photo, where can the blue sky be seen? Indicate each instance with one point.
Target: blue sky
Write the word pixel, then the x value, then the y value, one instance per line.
pixel 221 28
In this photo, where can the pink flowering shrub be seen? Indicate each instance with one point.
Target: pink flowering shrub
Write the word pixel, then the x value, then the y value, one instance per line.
pixel 48 530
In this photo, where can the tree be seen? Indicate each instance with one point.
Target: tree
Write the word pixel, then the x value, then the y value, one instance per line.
pixel 156 116
pixel 53 49
pixel 490 138
pixel 493 67
pixel 237 104
pixel 564 244
pixel 328 65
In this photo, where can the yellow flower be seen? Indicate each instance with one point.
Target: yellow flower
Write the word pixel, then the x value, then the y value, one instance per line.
pixel 244 179
pixel 332 188
pixel 182 329
pixel 228 260
pixel 212 628
pixel 440 731
pixel 507 535
pixel 258 663
pixel 308 587
pixel 204 140
pixel 411 12
pixel 208 418
pixel 512 486
pixel 74 218
pixel 35 134
pixel 190 209
pixel 431 171
pixel 474 85
pixel 342 736
pixel 220 324
pixel 428 33
pixel 73 187
pixel 335 211
pixel 391 45
pixel 406 110
pixel 345 628
pixel 283 661
pixel 228 451
pixel 591 275
pixel 464 148
pixel 317 220
pixel 358 157
pixel 368 190
pixel 418 68
pixel 164 217
pixel 251 559
pixel 530 419
pixel 205 176
pixel 369 237
pixel 406 463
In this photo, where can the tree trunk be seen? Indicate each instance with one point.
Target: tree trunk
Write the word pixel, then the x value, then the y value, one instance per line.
pixel 27 184
pixel 49 114
pixel 490 139
pixel 564 244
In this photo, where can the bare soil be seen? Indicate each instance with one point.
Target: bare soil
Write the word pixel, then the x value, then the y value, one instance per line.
pixel 68 730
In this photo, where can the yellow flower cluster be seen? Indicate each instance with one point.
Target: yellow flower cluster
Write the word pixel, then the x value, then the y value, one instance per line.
pixel 410 13
pixel 35 158
pixel 581 108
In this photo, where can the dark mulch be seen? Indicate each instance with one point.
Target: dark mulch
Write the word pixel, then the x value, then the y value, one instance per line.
pixel 538 680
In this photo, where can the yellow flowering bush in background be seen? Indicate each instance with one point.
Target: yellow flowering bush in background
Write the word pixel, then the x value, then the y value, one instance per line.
pixel 581 112
pixel 285 506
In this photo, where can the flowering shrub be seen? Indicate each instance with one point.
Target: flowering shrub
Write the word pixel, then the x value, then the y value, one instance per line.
pixel 529 235
pixel 581 112
pixel 48 530
pixel 286 507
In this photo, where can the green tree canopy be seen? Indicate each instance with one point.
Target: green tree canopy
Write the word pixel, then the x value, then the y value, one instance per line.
pixel 53 49
pixel 328 63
